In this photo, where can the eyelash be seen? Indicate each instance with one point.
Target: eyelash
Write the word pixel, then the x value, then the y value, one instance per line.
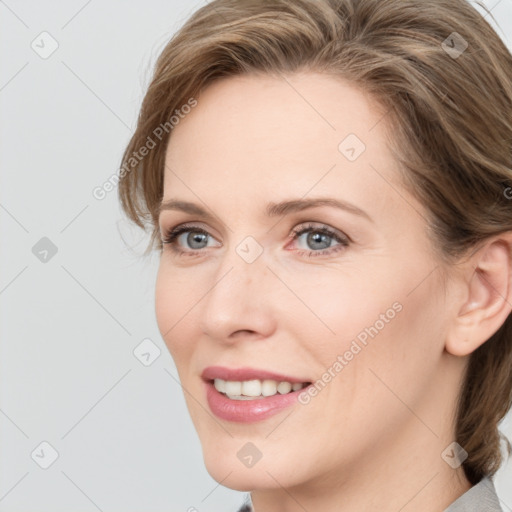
pixel 171 235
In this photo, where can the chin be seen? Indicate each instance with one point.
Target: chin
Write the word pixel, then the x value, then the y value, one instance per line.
pixel 239 465
pixel 240 478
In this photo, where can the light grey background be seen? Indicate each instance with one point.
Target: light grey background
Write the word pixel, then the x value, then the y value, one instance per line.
pixel 69 325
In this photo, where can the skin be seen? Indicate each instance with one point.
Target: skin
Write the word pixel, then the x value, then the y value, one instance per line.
pixel 372 438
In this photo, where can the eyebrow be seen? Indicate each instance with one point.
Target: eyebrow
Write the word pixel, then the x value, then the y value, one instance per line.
pixel 272 209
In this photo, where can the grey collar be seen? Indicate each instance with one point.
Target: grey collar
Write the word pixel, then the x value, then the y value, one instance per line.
pixel 481 497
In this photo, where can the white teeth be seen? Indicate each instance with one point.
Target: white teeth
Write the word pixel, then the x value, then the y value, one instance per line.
pixel 233 387
pixel 251 389
pixel 220 385
pixel 268 387
pixel 284 387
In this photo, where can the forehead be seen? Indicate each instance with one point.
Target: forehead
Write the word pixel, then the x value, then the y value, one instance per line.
pixel 262 136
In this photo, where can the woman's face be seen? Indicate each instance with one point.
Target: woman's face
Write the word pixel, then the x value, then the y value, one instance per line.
pixel 269 289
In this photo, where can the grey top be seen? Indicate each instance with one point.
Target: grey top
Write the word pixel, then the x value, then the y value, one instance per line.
pixel 481 497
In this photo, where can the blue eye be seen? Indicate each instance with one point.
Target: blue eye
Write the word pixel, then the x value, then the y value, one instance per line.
pixel 196 238
pixel 318 240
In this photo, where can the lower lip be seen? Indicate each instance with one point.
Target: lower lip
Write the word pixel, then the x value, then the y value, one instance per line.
pixel 248 411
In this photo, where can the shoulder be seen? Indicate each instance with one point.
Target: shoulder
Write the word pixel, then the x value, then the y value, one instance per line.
pixel 481 497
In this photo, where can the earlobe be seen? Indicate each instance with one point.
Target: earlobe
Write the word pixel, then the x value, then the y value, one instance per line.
pixel 488 297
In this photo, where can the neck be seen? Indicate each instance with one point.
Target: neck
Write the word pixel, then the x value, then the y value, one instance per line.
pixel 411 478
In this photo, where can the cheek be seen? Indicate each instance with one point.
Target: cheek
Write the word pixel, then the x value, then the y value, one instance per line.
pixel 391 340
pixel 174 303
pixel 345 303
pixel 378 317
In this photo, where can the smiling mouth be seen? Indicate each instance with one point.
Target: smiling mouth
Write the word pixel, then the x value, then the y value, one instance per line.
pixel 256 389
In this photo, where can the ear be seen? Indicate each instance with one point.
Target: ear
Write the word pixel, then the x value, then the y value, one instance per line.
pixel 486 296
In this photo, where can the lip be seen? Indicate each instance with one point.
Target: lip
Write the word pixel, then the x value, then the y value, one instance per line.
pixel 247 411
pixel 245 373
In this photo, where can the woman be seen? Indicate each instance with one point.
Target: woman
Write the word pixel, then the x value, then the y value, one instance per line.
pixel 328 184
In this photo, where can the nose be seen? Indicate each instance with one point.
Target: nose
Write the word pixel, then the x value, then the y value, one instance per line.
pixel 238 303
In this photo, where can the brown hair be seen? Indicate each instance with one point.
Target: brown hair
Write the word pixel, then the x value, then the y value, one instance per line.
pixel 449 106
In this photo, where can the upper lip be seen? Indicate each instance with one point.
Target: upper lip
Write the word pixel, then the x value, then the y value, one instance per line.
pixel 245 373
